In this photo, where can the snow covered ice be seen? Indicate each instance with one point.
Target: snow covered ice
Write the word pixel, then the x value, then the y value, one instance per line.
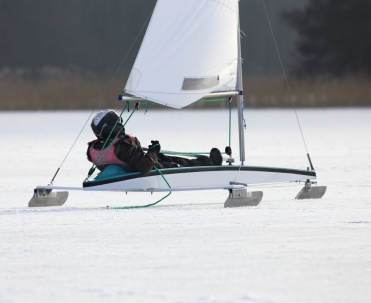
pixel 188 248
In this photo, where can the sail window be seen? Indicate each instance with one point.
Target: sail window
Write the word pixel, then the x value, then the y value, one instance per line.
pixel 200 83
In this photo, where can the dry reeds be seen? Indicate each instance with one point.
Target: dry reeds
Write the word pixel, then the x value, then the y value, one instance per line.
pixel 90 93
pixel 341 92
pixel 50 95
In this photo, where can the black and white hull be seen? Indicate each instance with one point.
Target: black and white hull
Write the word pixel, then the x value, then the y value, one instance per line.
pixel 114 178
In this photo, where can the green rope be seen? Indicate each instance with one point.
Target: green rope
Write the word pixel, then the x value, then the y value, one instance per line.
pixel 151 104
pixel 211 100
pixel 147 205
pixel 189 154
pixel 169 152
pixel 138 206
pixel 230 122
pixel 100 155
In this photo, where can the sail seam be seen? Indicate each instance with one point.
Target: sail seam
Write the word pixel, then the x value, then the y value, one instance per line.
pixel 221 3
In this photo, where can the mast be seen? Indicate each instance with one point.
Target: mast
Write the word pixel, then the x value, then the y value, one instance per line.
pixel 240 101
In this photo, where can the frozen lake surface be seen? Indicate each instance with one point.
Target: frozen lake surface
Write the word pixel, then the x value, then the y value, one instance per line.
pixel 188 248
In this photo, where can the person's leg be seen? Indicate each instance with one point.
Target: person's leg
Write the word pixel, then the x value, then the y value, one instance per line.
pixel 216 156
pixel 214 159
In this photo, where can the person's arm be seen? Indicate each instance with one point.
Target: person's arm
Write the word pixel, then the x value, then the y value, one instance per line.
pixel 87 151
pixel 131 152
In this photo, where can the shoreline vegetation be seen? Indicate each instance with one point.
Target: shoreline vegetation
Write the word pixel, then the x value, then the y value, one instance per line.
pixel 85 91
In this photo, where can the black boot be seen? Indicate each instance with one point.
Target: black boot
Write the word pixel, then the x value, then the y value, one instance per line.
pixel 216 156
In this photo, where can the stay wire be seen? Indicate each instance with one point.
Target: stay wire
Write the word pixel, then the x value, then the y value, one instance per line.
pixel 108 86
pixel 128 52
pixel 78 136
pixel 287 82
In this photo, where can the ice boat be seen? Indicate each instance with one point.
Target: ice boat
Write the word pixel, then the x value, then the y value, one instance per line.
pixel 191 51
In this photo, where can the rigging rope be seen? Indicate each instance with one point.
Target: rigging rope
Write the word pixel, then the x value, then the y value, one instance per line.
pixel 108 86
pixel 78 136
pixel 127 105
pixel 101 156
pixel 287 83
pixel 147 205
pixel 229 103
pixel 129 50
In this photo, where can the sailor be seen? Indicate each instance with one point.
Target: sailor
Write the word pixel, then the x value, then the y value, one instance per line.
pixel 125 150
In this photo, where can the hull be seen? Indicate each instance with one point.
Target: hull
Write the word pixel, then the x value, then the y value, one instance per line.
pixel 114 178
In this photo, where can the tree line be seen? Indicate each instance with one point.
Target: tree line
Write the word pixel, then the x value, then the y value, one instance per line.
pixel 87 34
pixel 95 35
pixel 333 36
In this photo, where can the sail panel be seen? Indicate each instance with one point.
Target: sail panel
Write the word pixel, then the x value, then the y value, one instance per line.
pixel 190 49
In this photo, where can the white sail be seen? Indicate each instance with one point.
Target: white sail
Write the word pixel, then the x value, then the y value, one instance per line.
pixel 190 49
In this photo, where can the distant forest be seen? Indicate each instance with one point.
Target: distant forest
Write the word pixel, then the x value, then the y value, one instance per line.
pixel 95 35
pixel 77 54
pixel 334 37
pixel 80 34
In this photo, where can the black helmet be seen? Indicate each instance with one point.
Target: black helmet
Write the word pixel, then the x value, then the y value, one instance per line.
pixel 103 123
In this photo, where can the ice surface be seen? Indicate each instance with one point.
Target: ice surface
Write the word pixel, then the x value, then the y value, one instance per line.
pixel 189 248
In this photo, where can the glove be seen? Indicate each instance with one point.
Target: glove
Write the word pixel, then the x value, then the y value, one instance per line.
pixel 155 146
pixel 228 150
